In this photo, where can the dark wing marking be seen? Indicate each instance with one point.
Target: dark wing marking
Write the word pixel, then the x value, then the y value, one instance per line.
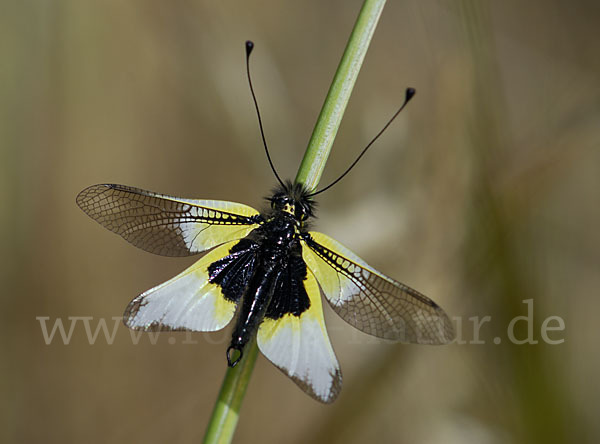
pixel 372 302
pixel 165 225
pixel 233 272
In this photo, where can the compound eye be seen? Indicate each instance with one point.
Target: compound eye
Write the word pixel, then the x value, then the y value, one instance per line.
pixel 276 202
pixel 279 202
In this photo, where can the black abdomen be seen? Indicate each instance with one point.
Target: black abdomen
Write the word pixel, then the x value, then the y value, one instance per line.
pixel 290 294
pixel 265 273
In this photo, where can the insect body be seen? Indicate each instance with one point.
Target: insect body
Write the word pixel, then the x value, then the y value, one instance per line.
pixel 269 269
pixel 274 271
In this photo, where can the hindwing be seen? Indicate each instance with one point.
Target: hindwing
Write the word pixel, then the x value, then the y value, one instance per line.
pixel 201 298
pixel 294 338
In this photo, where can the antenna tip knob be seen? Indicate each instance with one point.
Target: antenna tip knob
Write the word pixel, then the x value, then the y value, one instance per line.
pixel 249 46
pixel 410 92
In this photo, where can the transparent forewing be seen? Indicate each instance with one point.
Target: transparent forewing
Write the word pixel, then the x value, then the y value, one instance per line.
pixel 189 301
pixel 164 225
pixel 370 301
pixel 299 346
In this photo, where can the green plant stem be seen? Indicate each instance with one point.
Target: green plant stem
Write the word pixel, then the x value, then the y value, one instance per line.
pixel 329 120
pixel 221 426
pixel 223 422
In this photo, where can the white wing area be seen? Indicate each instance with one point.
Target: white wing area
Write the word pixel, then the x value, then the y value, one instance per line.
pixel 186 302
pixel 202 236
pixel 299 346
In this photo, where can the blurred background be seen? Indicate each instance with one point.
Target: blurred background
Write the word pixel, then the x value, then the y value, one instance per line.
pixel 482 195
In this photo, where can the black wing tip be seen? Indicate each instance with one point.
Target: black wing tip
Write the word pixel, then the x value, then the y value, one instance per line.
pixel 153 327
pixel 131 311
pixel 334 390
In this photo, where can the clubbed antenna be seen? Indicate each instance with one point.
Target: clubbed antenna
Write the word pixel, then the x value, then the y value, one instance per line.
pixel 249 48
pixel 410 92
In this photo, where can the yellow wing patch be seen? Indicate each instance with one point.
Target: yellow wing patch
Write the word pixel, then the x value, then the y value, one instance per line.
pixel 169 226
pixel 299 346
pixel 370 301
pixel 186 302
